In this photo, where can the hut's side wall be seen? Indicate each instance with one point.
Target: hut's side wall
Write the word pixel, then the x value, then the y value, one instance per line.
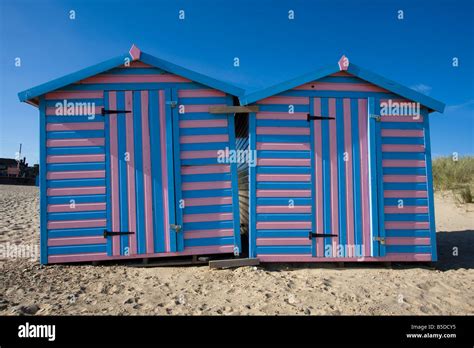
pixel 325 177
pixel 76 193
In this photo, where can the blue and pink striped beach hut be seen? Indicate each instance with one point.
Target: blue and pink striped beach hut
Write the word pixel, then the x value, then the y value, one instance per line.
pixel 128 164
pixel 343 170
pixel 338 165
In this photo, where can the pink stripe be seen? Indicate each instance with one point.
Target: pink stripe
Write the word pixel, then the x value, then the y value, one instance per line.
pixel 405 210
pixel 334 195
pixel 280 225
pixel 341 73
pixel 207 217
pixel 283 177
pixel 113 78
pixel 74 95
pixel 132 219
pixel 331 86
pixel 402 133
pixel 404 194
pixel 283 130
pixel 76 241
pixel 193 139
pixel 406 225
pixel 404 178
pixel 199 108
pixel 283 193
pixel 393 118
pixel 75 126
pixel 54 111
pixel 403 148
pixel 194 202
pixel 199 154
pixel 213 169
pixel 190 186
pixel 136 64
pixel 283 241
pixel 54 225
pixel 75 158
pixel 85 174
pixel 407 241
pixel 199 93
pixel 147 173
pixel 57 208
pixel 208 233
pixel 275 209
pixel 364 174
pixel 75 142
pixel 318 161
pixel 164 171
pixel 285 100
pixel 349 179
pixel 272 115
pixel 298 162
pixel 114 170
pixel 203 123
pixel 403 163
pixel 70 191
pixel 405 257
pixel 283 146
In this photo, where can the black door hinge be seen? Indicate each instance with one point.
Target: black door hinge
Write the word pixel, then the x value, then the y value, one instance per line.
pixel 321 235
pixel 108 233
pixel 311 117
pixel 107 112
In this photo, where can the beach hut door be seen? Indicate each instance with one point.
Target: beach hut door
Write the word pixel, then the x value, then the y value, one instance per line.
pixel 139 172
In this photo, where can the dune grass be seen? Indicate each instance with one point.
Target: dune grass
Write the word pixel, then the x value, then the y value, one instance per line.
pixel 456 176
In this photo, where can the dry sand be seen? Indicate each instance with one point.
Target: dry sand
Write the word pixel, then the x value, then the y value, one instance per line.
pixel 306 289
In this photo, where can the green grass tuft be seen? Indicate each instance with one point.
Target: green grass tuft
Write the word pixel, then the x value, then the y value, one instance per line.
pixel 456 176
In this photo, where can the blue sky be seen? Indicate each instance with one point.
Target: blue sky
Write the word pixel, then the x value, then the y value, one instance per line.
pixel 416 51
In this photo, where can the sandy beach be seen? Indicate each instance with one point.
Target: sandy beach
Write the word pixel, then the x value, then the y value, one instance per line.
pixel 446 287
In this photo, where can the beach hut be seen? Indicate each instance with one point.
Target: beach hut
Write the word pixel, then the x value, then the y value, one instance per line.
pixel 129 161
pixel 343 169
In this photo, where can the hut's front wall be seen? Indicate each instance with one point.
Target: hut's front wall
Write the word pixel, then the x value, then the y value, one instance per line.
pixel 135 175
pixel 350 188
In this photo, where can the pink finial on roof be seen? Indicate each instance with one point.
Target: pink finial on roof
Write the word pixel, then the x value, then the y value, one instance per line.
pixel 135 52
pixel 343 63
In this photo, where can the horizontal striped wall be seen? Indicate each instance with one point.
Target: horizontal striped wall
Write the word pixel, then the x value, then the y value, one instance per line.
pixel 75 161
pixel 284 171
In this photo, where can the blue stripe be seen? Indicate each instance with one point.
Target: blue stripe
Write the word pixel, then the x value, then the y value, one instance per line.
pixel 156 170
pixel 283 123
pixel 43 188
pixel 282 108
pixel 122 168
pixel 195 116
pixel 341 172
pixel 208 241
pixel 283 217
pixel 201 101
pixel 208 209
pixel 80 150
pixel 380 184
pixel 283 234
pixel 406 201
pixel 76 199
pixel 341 79
pixel 78 249
pixel 203 146
pixel 312 200
pixel 75 134
pixel 108 172
pixel 408 249
pixel 169 159
pixel 337 94
pixel 252 191
pixel 404 170
pixel 208 225
pixel 75 183
pixel 326 173
pixel 407 233
pixel 401 125
pixel 56 167
pixel 283 201
pixel 403 155
pixel 76 232
pixel 179 205
pixel 78 118
pixel 130 86
pixel 207 193
pixel 199 161
pixel 284 249
pixel 206 177
pixel 284 154
pixel 77 216
pixel 282 170
pixel 402 141
pixel 283 138
pixel 273 185
pixel 406 217
pixel 235 184
pixel 405 186
pixel 203 131
pixel 139 188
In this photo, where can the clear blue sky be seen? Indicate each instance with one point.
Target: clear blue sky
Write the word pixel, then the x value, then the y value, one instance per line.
pixel 416 51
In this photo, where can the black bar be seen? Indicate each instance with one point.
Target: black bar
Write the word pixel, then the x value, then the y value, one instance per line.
pixel 321 235
pixel 105 111
pixel 311 117
pixel 107 233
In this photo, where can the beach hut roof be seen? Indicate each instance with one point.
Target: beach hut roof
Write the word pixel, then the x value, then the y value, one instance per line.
pixel 134 54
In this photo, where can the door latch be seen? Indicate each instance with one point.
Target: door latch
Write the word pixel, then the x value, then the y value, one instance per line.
pixel 109 233
pixel 381 240
pixel 176 228
pixel 108 112
pixel 311 117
